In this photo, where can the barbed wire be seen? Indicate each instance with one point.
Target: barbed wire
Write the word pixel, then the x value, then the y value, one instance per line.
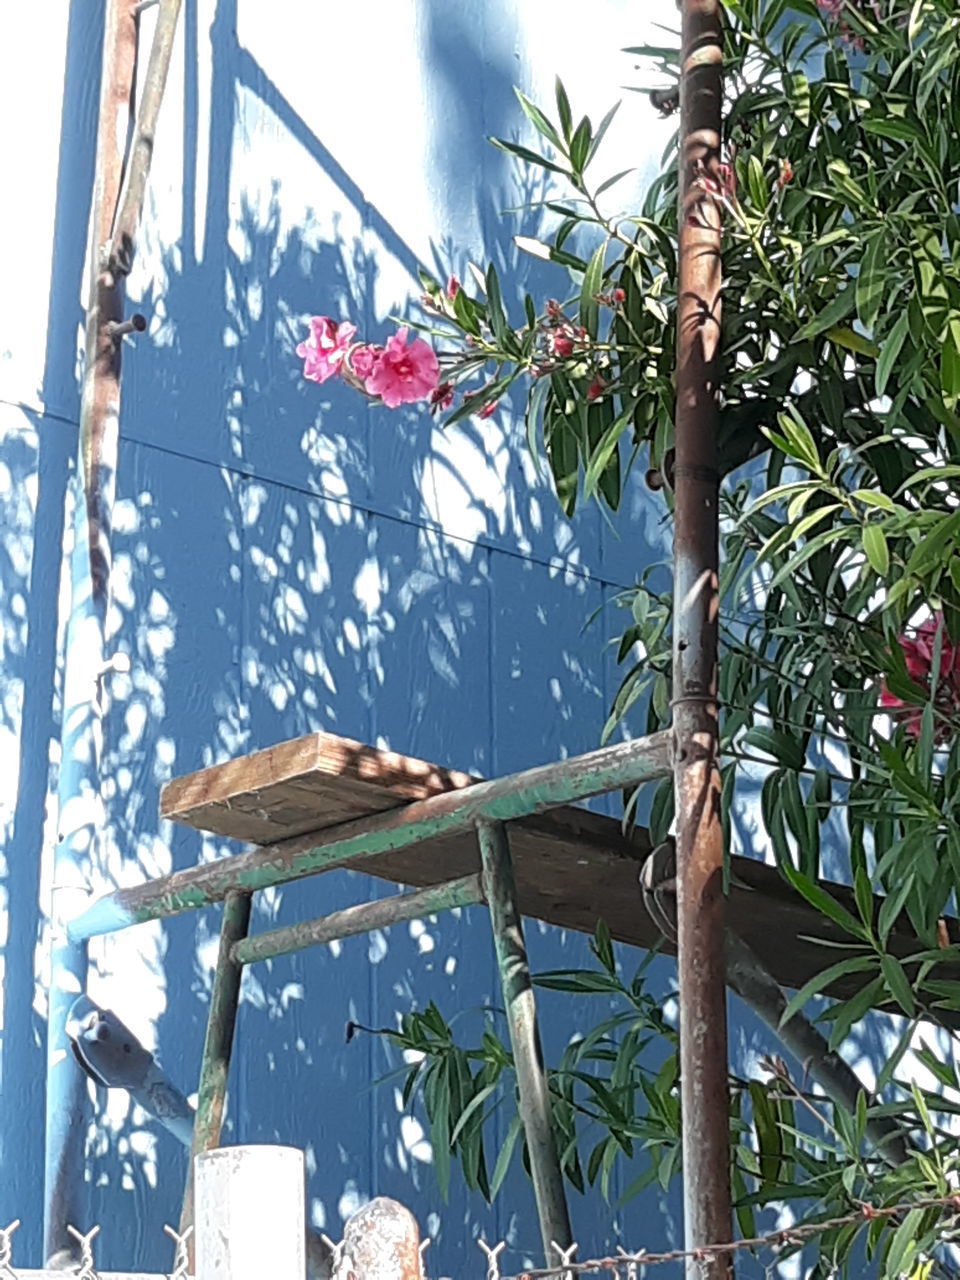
pixel 181 1252
pixel 623 1263
pixel 86 1269
pixel 780 1239
pixel 6 1250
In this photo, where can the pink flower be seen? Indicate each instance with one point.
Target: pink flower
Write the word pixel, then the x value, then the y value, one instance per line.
pixel 363 359
pixel 918 656
pixel 830 8
pixel 596 388
pixel 488 410
pixel 403 373
pixel 441 397
pixel 855 42
pixel 561 342
pixel 619 295
pixel 786 173
pixel 323 352
pixel 453 287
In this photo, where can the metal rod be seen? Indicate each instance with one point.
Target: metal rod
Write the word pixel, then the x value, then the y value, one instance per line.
pixel 218 1042
pixel 750 979
pixel 141 151
pixel 701 937
pixel 756 986
pixel 379 914
pixel 501 894
pixel 83 699
pixel 450 813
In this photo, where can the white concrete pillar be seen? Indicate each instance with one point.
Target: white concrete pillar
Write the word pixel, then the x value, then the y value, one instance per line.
pixel 250 1213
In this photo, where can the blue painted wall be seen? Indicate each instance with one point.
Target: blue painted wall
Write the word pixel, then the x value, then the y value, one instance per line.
pixel 288 559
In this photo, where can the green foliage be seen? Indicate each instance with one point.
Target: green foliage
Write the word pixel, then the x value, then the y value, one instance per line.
pixel 840 380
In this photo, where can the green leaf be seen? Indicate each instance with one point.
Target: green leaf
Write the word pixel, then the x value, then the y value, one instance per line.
pixel 851 190
pixel 890 350
pixel 876 550
pixel 610 182
pixel 904 1246
pixel 439 1117
pixel 580 146
pixel 820 981
pixel 757 184
pixel 498 321
pixel 798 92
pixel 950 362
pixel 825 904
pixel 476 401
pixel 604 948
pixel 871 279
pixel 837 309
pixel 506 1155
pixel 531 157
pixel 892 907
pixel 852 1011
pixel 863 894
pixel 898 984
pixel 843 336
pixel 799 438
pixel 598 137
pixel 539 120
pixel 784 749
pixel 475 1103
pixel 547 252
pixel 604 451
pixel 563 109
pixel 891 127
pixel 592 284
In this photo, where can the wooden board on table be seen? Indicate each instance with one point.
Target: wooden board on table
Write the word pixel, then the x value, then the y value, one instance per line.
pixel 573 867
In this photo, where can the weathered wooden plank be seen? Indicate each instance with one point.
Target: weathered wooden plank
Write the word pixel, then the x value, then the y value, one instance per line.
pixel 308 783
pixel 572 867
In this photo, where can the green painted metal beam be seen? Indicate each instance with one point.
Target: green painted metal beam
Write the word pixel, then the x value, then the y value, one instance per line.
pixel 218 1042
pixel 503 799
pixel 379 914
pixel 501 894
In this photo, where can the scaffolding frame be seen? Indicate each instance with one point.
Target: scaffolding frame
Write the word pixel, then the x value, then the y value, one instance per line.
pixel 688 752
pixel 487 808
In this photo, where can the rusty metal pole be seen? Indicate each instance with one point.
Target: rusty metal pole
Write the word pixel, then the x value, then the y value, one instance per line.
pixel 701 940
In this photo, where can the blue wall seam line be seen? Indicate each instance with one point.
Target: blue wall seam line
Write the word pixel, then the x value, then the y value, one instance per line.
pixel 427 526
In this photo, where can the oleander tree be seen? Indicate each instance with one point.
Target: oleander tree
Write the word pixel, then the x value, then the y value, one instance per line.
pixel 839 453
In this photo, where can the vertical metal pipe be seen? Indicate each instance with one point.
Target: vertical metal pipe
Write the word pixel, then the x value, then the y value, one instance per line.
pixel 701 941
pixel 501 893
pixel 81 732
pixel 218 1042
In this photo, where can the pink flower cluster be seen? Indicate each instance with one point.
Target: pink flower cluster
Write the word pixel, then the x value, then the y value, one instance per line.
pixel 918 654
pixel 399 372
pixel 832 11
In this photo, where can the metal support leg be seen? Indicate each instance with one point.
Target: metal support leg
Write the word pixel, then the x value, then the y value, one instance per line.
pixel 218 1044
pixel 501 894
